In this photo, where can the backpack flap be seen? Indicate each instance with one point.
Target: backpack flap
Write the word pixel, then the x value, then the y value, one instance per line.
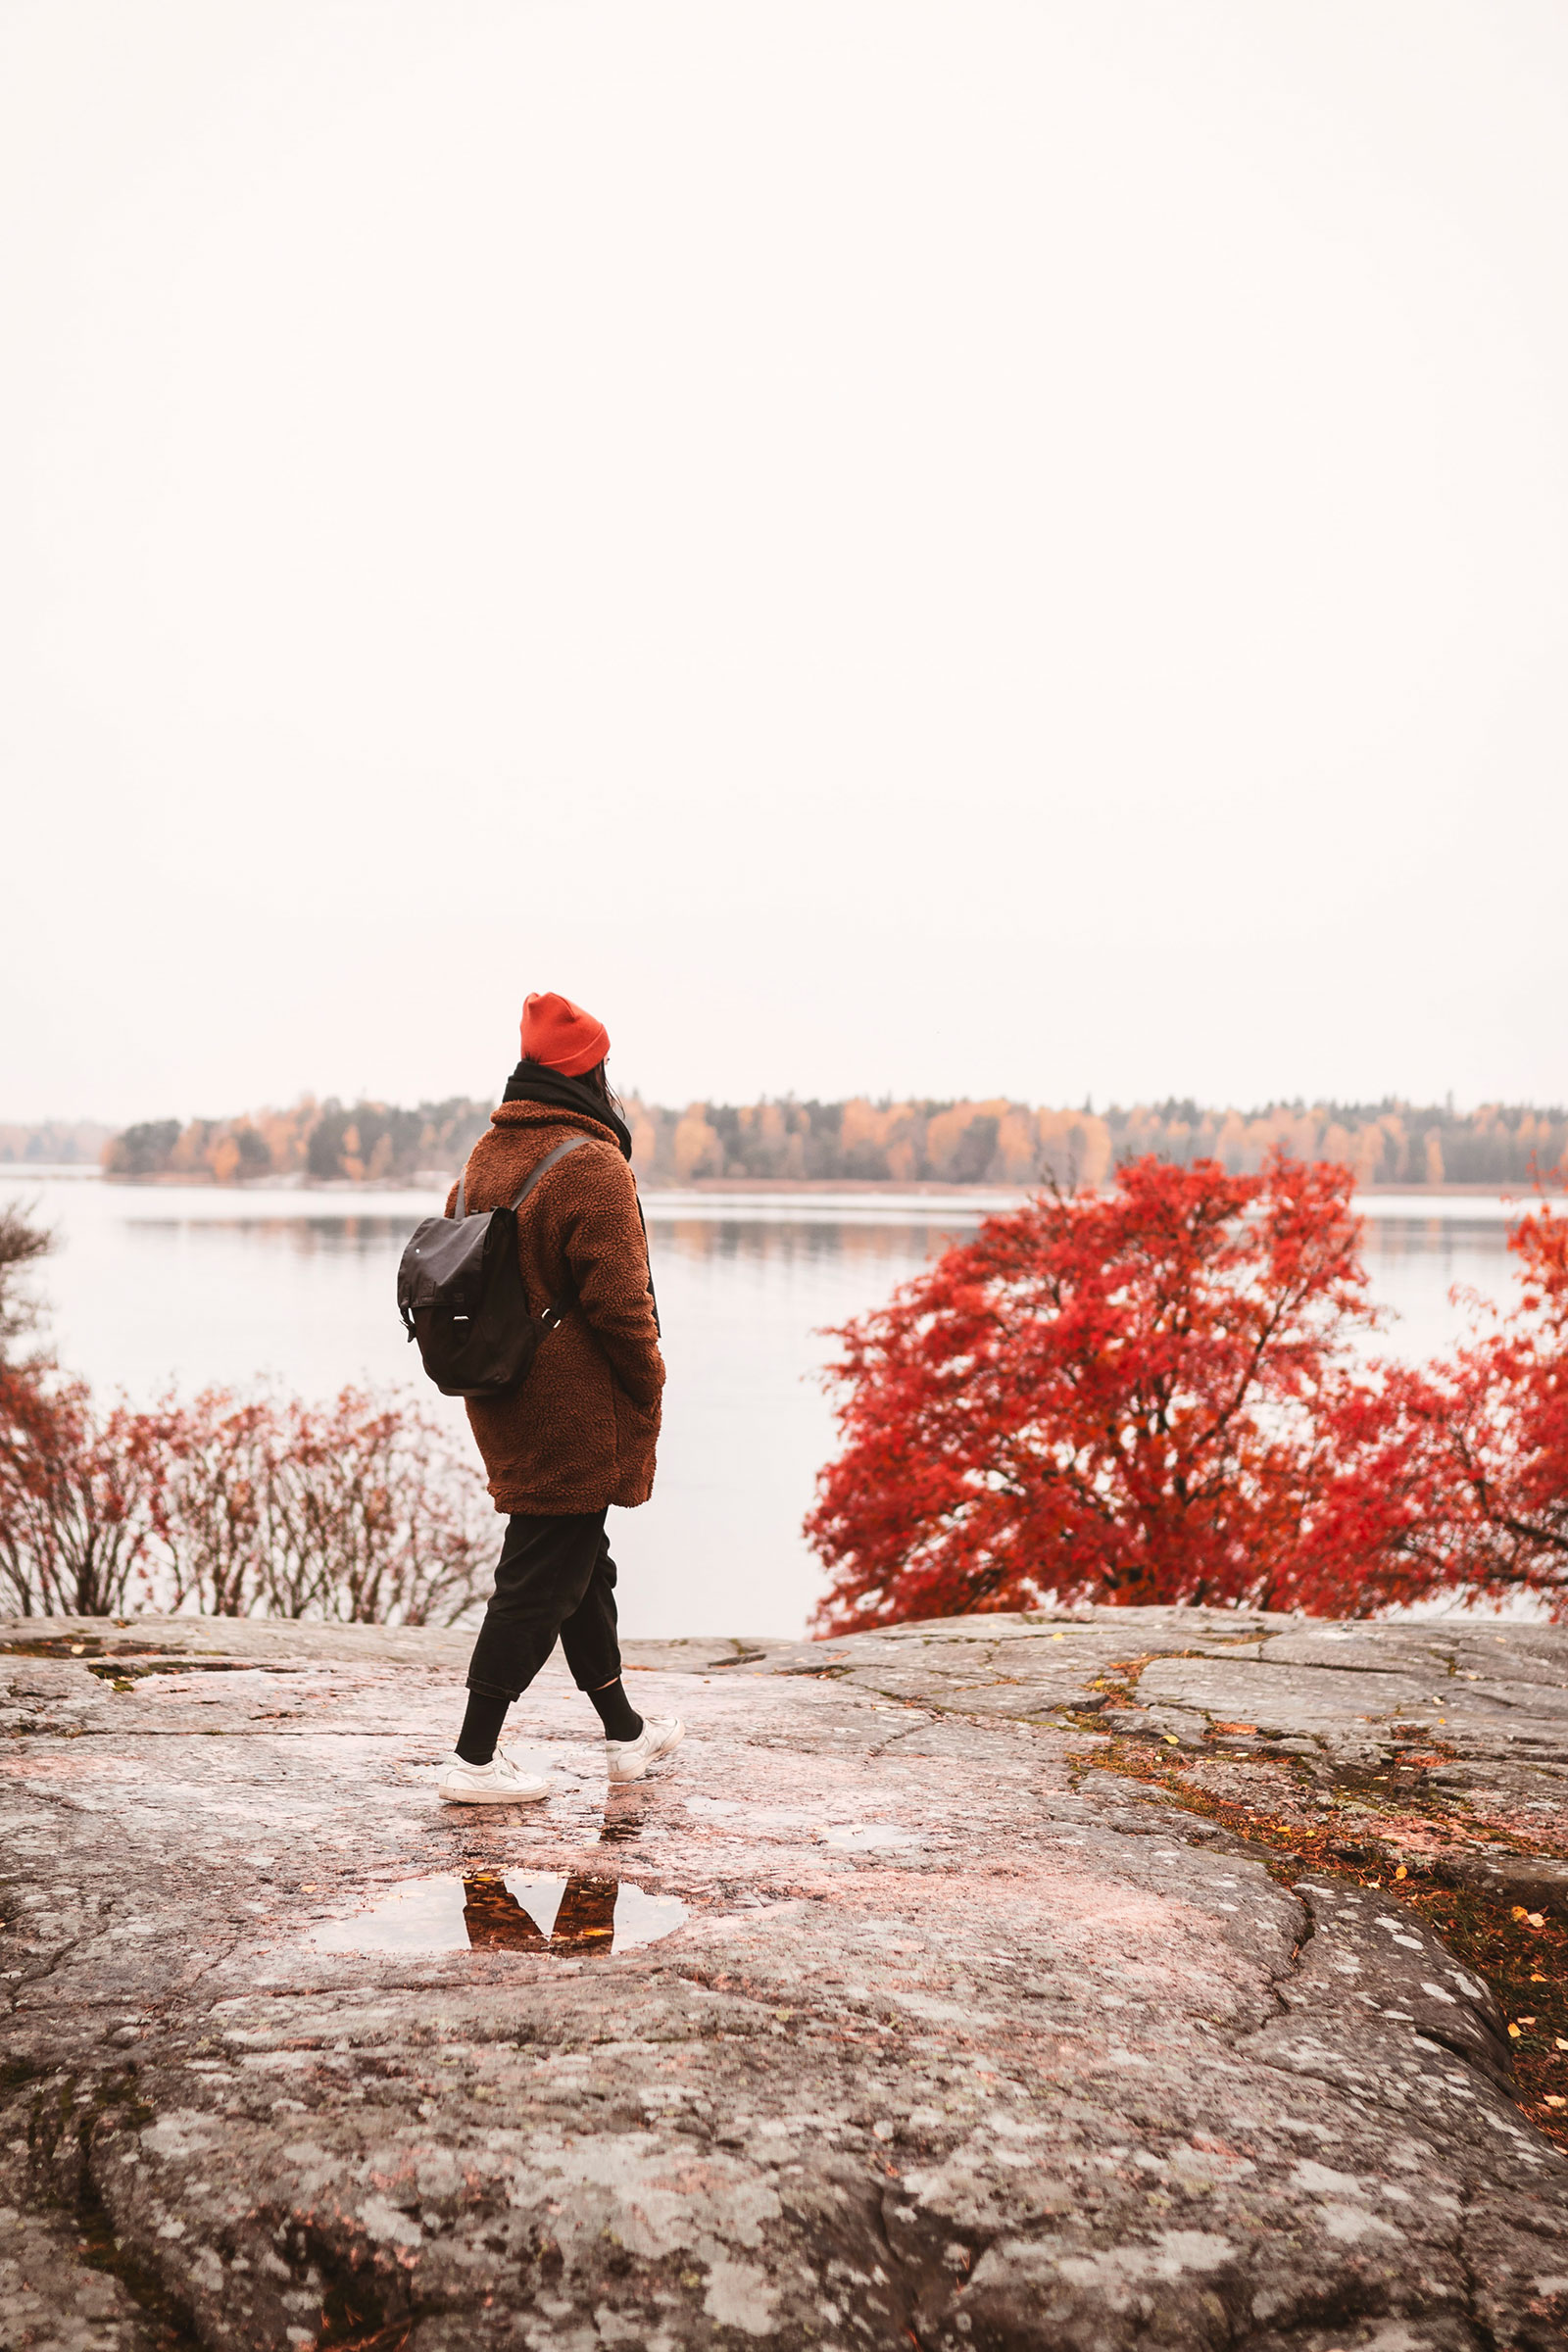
pixel 443 1265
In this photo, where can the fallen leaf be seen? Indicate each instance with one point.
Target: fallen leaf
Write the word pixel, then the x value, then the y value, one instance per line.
pixel 1514 2032
pixel 1171 1738
pixel 1553 2102
pixel 1401 1872
pixel 1241 1729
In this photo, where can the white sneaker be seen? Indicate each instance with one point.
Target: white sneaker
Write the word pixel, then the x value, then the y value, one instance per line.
pixel 498 1783
pixel 629 1759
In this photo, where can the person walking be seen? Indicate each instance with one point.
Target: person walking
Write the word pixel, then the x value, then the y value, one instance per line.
pixel 579 1433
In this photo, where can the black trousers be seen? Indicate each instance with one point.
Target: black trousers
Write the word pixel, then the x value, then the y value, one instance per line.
pixel 555 1578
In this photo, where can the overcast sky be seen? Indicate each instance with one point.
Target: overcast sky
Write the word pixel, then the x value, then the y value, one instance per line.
pixel 945 548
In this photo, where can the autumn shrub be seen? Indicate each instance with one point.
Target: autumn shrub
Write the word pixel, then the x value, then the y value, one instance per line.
pixel 76 1489
pixel 1511 1443
pixel 79 1497
pixel 359 1510
pixel 1164 1395
pixel 1451 1478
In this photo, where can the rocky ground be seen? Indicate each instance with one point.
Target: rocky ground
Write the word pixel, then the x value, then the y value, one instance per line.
pixel 1118 1978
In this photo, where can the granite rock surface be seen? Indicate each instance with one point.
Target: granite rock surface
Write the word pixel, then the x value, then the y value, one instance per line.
pixel 901 2006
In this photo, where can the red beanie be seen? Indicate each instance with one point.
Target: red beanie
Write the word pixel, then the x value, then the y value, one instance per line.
pixel 562 1037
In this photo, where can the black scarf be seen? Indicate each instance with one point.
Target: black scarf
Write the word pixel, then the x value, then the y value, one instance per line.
pixel 530 1083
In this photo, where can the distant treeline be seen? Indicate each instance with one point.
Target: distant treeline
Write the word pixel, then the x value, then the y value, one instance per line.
pixel 901 1142
pixel 371 1142
pixel 54 1143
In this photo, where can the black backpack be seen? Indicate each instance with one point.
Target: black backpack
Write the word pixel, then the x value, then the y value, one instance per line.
pixel 461 1294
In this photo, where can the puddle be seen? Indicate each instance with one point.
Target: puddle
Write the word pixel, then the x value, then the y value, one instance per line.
pixel 841 1838
pixel 730 1814
pixel 488 1911
pixel 870 1838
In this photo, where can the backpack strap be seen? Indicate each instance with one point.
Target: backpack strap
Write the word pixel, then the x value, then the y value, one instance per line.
pixel 549 1160
pixel 556 1311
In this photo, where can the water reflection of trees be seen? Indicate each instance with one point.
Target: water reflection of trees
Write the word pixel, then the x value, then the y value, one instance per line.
pixel 782 1242
pixel 772 1241
pixel 304 1237
pixel 1397 1239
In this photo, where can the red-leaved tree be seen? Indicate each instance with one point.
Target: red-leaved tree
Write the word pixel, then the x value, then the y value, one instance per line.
pixel 1127 1398
pixel 1512 1447
pixel 1451 1479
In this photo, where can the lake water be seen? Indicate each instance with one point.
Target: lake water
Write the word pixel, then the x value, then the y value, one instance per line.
pixel 153 1284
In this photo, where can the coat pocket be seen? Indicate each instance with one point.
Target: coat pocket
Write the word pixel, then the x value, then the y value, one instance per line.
pixel 636 1432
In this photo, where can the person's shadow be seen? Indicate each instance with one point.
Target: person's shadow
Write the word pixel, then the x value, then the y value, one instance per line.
pixel 497 1922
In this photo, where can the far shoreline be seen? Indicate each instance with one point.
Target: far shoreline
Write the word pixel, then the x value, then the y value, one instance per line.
pixel 425 1180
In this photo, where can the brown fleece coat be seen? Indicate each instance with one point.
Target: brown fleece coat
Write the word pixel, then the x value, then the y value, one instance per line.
pixel 580 1431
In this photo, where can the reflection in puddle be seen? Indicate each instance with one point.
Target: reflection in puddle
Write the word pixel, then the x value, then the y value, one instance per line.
pixel 487 1911
pixel 626 1811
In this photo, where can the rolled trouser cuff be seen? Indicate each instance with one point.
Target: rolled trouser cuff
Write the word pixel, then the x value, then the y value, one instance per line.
pixel 494 1690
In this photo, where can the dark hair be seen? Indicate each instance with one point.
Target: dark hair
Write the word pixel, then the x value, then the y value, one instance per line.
pixel 595 1081
pixel 602 1088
